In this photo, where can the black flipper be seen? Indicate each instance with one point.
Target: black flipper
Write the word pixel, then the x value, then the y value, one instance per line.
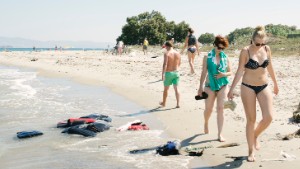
pixel 80 131
pixel 97 127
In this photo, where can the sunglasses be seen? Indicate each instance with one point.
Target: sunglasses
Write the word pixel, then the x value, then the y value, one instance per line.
pixel 260 44
pixel 219 48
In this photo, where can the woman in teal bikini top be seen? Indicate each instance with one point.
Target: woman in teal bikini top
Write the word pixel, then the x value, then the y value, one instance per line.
pixel 215 71
pixel 213 68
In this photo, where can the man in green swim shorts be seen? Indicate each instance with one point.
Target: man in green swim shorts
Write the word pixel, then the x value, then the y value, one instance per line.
pixel 170 75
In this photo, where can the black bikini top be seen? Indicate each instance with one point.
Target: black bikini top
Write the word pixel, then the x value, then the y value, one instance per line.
pixel 253 64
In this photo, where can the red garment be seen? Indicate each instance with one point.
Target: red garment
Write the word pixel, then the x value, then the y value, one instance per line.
pixel 138 127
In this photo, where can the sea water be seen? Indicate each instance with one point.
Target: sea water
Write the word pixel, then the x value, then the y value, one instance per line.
pixel 31 102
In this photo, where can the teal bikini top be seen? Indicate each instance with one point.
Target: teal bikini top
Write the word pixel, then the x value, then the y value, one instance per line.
pixel 213 68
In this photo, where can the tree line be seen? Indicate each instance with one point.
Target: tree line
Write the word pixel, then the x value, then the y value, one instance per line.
pixel 157 30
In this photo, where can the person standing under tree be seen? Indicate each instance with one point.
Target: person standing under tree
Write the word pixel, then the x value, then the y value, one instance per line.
pixel 145 46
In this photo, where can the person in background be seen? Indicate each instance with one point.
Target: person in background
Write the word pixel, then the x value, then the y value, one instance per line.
pixel 120 47
pixel 170 75
pixel 145 46
pixel 255 64
pixel 193 47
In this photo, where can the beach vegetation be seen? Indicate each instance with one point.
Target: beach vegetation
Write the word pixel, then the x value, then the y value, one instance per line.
pixel 207 38
pixel 153 26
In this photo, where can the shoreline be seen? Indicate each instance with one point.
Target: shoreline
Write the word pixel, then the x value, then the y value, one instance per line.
pixel 137 78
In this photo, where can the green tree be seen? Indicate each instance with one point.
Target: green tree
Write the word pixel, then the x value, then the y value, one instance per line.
pixel 280 30
pixel 152 26
pixel 180 31
pixel 207 38
pixel 245 33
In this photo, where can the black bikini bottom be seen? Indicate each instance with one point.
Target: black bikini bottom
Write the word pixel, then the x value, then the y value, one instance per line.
pixel 192 50
pixel 256 89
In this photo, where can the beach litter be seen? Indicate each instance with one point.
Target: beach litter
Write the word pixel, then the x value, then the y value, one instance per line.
pixel 296 115
pixel 283 157
pixel 134 125
pixel 34 59
pixel 296 134
pixel 229 145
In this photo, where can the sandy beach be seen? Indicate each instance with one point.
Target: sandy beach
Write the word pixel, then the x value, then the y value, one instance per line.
pixel 138 78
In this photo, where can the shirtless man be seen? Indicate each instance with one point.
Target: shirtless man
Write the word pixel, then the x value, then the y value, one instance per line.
pixel 170 73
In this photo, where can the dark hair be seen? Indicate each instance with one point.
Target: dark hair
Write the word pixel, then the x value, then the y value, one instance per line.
pixel 191 30
pixel 168 44
pixel 221 40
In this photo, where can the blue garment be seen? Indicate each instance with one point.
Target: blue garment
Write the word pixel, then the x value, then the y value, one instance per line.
pixel 26 134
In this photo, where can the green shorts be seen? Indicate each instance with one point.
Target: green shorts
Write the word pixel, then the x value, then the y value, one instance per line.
pixel 171 78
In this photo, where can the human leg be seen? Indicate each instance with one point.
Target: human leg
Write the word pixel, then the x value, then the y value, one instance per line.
pixel 191 61
pixel 165 95
pixel 209 104
pixel 249 101
pixel 265 101
pixel 177 95
pixel 221 95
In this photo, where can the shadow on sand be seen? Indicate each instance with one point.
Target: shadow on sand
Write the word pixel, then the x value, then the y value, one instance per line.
pixel 157 109
pixel 236 163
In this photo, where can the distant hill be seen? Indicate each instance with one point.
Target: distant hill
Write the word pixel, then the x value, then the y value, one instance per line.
pixel 29 43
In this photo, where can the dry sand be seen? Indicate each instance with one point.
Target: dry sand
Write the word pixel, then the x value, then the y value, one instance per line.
pixel 137 77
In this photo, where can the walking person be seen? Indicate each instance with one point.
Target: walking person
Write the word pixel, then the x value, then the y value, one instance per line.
pixel 192 45
pixel 170 75
pixel 120 46
pixel 254 66
pixel 145 46
pixel 215 71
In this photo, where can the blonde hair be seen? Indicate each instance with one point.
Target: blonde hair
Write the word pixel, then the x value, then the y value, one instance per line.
pixel 259 32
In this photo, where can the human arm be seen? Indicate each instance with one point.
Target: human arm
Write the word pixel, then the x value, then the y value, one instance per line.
pixel 203 76
pixel 239 73
pixel 164 68
pixel 226 74
pixel 271 72
pixel 179 62
pixel 197 47
pixel 185 44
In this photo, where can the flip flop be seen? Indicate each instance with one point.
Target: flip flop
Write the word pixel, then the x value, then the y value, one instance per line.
pixel 204 96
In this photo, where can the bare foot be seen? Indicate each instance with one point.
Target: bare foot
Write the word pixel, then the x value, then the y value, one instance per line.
pixel 206 131
pixel 162 104
pixel 221 139
pixel 177 106
pixel 256 144
pixel 251 157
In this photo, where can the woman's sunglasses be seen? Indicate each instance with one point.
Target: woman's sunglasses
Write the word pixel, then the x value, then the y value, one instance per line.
pixel 260 44
pixel 220 48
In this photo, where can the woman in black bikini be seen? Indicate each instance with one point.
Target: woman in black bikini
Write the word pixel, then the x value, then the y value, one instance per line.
pixel 254 65
pixel 192 44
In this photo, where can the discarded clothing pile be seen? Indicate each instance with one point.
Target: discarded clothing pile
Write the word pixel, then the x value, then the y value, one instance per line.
pixel 134 125
pixel 87 126
pixel 171 148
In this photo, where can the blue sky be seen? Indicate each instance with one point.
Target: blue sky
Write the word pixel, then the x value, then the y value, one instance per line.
pixel 102 20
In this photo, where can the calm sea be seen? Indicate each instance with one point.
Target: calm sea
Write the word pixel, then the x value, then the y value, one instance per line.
pixel 31 102
pixel 50 49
